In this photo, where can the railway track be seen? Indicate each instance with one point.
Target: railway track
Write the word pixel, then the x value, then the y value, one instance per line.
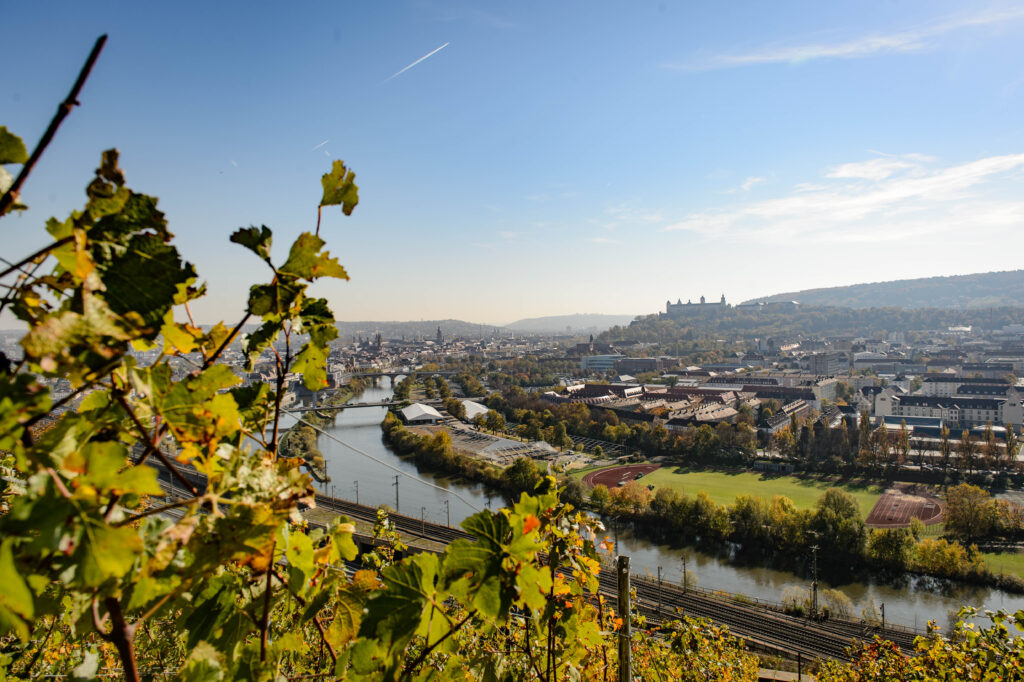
pixel 761 626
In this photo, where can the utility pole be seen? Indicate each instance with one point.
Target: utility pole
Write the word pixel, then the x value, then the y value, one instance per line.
pixel 659 590
pixel 883 615
pixel 448 512
pixel 423 520
pixel 396 491
pixel 814 584
pixel 357 491
pixel 684 574
pixel 625 667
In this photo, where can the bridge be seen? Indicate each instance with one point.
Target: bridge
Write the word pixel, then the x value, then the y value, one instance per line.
pixel 392 373
pixel 762 625
pixel 346 406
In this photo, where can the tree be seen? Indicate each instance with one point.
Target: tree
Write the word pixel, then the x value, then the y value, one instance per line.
pixel 970 511
pixel 522 476
pixel 1011 445
pixel 902 446
pixel 599 496
pixel 967 451
pixel 944 447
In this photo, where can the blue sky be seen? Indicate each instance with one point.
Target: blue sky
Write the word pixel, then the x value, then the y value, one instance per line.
pixel 552 158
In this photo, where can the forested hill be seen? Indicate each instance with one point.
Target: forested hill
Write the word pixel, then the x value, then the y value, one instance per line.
pixel 668 334
pixel 982 290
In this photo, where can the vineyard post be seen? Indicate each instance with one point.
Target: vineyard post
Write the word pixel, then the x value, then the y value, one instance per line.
pixel 625 674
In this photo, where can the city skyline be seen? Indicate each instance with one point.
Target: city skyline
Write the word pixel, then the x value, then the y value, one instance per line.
pixel 533 161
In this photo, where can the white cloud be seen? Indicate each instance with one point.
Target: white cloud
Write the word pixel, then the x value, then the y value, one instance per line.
pixel 909 40
pixel 750 182
pixel 875 169
pixel 603 240
pixel 889 199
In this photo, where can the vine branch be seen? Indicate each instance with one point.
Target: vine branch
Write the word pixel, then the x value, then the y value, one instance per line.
pixel 65 107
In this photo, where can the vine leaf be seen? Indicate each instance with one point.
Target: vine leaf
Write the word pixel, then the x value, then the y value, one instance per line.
pixel 16 605
pixel 257 240
pixel 340 188
pixel 12 149
pixel 306 261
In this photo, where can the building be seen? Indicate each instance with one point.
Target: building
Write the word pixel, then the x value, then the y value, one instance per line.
pixel 599 363
pixel 473 409
pixel 680 309
pixel 949 384
pixel 418 413
pixel 955 410
pixel 826 363
pixel 637 365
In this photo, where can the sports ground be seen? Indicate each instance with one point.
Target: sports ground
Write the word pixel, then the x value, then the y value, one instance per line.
pixel 613 477
pixel 898 506
pixel 723 487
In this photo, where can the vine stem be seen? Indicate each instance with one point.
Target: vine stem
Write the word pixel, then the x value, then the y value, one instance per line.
pixel 265 620
pixel 428 649
pixel 65 107
pixel 41 252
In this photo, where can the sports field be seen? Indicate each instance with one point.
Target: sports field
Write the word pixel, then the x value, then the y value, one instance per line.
pixel 723 487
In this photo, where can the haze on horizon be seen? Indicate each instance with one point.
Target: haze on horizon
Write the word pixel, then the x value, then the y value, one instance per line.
pixel 549 160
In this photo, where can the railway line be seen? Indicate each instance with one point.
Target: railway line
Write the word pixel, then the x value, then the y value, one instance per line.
pixel 761 626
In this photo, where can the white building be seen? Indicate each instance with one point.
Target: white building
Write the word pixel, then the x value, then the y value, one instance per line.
pixel 473 409
pixel 418 413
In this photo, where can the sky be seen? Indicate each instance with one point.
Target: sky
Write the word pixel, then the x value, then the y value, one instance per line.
pixel 536 158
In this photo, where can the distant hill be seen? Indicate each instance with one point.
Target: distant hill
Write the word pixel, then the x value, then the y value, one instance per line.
pixel 983 290
pixel 574 324
pixel 422 329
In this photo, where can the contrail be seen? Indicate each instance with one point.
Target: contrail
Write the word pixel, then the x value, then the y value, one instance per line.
pixel 429 54
pixel 319 145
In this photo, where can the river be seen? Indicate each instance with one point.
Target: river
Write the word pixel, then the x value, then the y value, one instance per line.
pixel 422 493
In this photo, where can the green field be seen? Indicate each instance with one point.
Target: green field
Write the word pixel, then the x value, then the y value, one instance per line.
pixel 1005 562
pixel 723 487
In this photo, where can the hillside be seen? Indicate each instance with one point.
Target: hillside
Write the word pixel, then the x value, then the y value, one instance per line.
pixel 575 324
pixel 982 290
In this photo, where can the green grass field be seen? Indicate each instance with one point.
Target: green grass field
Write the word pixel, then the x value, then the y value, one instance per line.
pixel 723 487
pixel 1005 562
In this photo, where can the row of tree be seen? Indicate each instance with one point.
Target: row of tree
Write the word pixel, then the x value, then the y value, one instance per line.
pixel 776 527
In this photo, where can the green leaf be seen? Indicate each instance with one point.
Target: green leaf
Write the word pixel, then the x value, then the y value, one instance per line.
pixel 17 608
pixel 306 261
pixel 340 188
pixel 107 553
pixel 348 612
pixel 12 149
pixel 147 258
pixel 257 240
pixel 403 609
pixel 311 362
pixel 204 664
pixel 274 299
pixel 300 551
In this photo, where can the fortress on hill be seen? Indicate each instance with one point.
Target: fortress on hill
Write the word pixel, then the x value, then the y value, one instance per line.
pixel 680 309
